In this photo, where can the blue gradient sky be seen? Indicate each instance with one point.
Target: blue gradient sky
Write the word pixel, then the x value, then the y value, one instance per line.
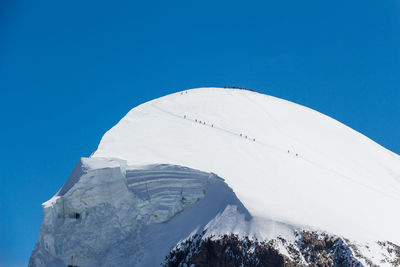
pixel 69 70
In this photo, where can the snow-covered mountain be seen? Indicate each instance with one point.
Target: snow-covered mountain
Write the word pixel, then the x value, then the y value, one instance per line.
pixel 226 177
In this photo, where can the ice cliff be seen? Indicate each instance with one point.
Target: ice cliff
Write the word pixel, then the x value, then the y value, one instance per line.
pixel 112 214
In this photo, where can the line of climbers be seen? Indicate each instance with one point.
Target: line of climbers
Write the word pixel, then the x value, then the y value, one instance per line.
pixel 245 136
pixel 212 126
pixel 241 135
pixel 227 87
pixel 201 122
pixel 236 87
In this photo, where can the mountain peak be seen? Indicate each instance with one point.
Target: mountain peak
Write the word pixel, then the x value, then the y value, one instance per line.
pixel 285 161
pixel 215 171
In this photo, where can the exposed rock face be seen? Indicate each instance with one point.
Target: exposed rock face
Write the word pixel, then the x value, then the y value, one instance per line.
pixel 310 249
pixel 325 250
pixel 226 251
pixel 393 251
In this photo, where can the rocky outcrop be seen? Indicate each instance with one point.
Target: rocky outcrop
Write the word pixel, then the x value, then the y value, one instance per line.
pixel 321 249
pixel 309 249
pixel 393 250
pixel 226 251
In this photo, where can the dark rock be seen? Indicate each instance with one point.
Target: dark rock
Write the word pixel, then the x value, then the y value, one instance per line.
pixel 310 249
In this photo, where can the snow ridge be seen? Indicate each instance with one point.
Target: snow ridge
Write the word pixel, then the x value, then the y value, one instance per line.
pixel 215 163
pixel 337 179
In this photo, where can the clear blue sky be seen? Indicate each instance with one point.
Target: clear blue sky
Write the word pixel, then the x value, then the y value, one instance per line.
pixel 69 70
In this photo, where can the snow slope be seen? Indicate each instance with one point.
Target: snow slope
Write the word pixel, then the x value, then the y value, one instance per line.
pixel 285 162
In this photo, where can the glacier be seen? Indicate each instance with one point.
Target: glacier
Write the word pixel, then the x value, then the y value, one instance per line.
pixel 109 213
pixel 213 162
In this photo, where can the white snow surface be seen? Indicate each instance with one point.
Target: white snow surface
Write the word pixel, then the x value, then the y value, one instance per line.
pixel 286 163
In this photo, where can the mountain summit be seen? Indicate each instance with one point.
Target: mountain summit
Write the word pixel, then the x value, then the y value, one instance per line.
pixel 226 177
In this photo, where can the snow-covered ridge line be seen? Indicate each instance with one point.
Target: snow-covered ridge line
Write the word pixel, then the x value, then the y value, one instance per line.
pixel 209 124
pixel 281 150
pixel 340 180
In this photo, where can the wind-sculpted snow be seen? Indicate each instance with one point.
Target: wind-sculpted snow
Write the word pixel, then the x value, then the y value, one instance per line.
pixel 112 214
pixel 168 188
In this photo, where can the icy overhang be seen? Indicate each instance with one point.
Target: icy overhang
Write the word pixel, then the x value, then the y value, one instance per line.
pixel 84 166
